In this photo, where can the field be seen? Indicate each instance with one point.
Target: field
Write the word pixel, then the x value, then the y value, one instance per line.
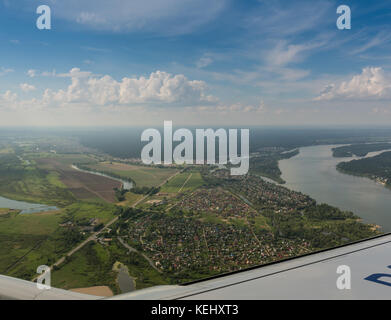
pixel 6 151
pixel 93 266
pixel 29 183
pixel 186 181
pixel 23 241
pixel 84 186
pixel 30 240
pixel 4 211
pixel 131 199
pixel 83 211
pixel 143 176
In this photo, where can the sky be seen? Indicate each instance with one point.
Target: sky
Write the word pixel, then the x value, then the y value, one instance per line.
pixel 195 62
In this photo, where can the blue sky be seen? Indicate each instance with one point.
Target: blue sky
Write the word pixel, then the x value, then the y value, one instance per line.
pixel 195 62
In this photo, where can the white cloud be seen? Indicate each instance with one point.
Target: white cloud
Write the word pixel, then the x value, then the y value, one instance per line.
pixel 27 87
pixel 89 90
pixel 381 38
pixel 284 53
pixel 372 83
pixel 8 96
pixel 4 71
pixel 32 73
pixel 35 73
pixel 204 62
pixel 167 17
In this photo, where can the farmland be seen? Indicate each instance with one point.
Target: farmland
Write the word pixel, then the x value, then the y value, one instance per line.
pixel 143 176
pixel 84 186
pixel 30 183
pixel 186 181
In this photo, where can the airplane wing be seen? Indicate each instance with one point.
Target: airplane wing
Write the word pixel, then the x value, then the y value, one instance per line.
pixel 313 276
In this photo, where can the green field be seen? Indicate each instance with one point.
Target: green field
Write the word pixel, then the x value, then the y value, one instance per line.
pixel 143 176
pixel 93 266
pixel 22 239
pixel 30 240
pixel 131 199
pixel 83 211
pixel 186 181
pixel 31 184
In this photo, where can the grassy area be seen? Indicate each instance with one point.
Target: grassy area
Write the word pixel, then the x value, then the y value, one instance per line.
pixel 143 176
pixel 30 240
pixel 31 184
pixel 194 182
pixel 261 222
pixel 176 183
pixel 5 211
pixel 63 158
pixel 186 181
pixel 93 266
pixel 31 224
pixel 83 211
pixel 131 199
pixel 6 151
pixel 24 244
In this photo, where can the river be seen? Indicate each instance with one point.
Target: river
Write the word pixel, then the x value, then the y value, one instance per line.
pixel 125 184
pixel 25 207
pixel 314 173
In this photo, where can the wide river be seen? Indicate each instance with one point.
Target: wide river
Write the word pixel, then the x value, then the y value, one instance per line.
pixel 314 173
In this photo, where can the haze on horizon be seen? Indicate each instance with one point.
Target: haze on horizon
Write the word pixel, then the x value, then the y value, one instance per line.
pixel 195 63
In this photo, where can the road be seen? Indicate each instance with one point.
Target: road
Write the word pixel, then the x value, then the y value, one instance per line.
pixel 131 249
pixel 94 236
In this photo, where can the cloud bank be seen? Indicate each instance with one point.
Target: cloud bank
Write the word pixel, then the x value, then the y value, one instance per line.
pixel 372 83
pixel 87 89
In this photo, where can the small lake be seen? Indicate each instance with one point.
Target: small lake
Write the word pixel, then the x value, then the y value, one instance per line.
pixel 125 281
pixel 25 207
pixel 313 172
pixel 125 184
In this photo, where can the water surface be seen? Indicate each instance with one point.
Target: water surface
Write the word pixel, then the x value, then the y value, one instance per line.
pixel 125 184
pixel 25 207
pixel 314 172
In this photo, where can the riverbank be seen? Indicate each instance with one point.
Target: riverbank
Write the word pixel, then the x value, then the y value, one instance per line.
pixel 126 184
pixel 314 172
pixel 25 207
pixel 363 175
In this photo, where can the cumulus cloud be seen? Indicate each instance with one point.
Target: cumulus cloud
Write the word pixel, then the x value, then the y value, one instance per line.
pixel 26 87
pixel 87 89
pixel 32 73
pixel 372 83
pixel 8 97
